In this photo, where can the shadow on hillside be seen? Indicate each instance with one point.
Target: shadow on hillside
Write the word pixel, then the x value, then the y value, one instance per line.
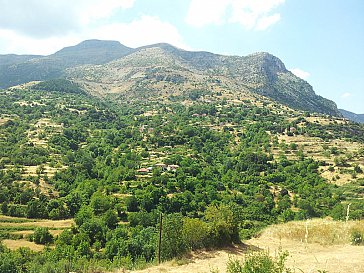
pixel 236 249
pixel 241 248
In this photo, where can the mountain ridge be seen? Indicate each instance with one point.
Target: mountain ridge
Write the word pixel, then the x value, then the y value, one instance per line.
pixel 352 116
pixel 99 63
pixel 53 66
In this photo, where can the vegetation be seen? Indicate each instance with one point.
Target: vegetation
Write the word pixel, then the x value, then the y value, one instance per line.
pixel 58 85
pixel 260 262
pixel 216 171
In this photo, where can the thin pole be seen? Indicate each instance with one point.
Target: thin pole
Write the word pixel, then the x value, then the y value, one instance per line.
pixel 347 213
pixel 160 238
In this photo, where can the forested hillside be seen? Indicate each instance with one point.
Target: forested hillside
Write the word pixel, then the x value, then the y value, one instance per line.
pixel 217 167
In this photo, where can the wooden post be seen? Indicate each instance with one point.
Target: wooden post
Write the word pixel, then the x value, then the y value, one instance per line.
pixel 347 213
pixel 160 238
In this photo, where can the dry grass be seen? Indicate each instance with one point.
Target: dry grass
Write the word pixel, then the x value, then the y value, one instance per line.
pixel 314 147
pixel 308 258
pixel 15 244
pixel 325 120
pixel 11 219
pixel 320 231
pixel 25 227
pixel 54 232
pixel 51 224
pixel 3 120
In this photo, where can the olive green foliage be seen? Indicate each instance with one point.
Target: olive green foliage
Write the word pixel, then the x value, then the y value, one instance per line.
pixel 42 236
pixel 58 85
pixel 357 238
pixel 260 262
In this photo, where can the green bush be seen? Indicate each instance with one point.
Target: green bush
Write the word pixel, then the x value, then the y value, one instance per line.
pixel 42 236
pixel 195 233
pixel 356 237
pixel 260 262
pixel 173 244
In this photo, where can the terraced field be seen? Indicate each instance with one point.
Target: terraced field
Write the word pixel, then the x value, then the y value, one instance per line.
pixel 15 231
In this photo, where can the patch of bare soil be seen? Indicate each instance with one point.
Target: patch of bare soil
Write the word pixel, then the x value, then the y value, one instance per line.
pixel 200 262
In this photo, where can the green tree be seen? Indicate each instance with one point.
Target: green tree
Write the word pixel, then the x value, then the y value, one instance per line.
pixel 173 244
pixel 223 225
pixel 42 236
pixel 111 219
pixel 37 209
pixel 83 215
pixel 195 233
pixel 100 202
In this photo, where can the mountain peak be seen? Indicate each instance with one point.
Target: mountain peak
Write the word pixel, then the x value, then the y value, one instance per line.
pixel 93 45
pixel 268 61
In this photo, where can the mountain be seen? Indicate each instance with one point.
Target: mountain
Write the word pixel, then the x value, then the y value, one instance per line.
pixel 105 67
pixel 11 59
pixel 15 69
pixel 150 69
pixel 352 116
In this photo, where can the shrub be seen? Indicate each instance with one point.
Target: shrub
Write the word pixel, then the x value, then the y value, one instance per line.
pixel 195 233
pixel 173 244
pixel 42 236
pixel 260 262
pixel 356 237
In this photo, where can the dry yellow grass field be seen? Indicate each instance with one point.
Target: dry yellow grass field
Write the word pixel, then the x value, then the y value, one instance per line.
pixel 26 227
pixel 327 249
pixel 314 147
pixel 51 224
pixel 15 244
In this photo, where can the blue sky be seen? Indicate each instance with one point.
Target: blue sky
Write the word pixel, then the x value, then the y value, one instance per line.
pixel 321 41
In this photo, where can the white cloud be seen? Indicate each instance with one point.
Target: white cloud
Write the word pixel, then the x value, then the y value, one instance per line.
pixel 52 25
pixel 13 42
pixel 266 21
pixel 45 18
pixel 205 12
pixel 103 9
pixel 300 73
pixel 142 31
pixel 250 14
pixel 346 95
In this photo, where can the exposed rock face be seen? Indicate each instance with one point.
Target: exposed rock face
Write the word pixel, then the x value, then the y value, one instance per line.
pixel 109 66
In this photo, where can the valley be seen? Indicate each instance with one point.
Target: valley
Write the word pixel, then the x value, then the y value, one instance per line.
pixel 229 151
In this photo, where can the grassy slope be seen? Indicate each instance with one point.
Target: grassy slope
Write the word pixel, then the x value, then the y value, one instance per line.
pixel 327 248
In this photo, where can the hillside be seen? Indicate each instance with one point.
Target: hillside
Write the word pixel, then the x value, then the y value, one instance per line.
pixel 12 59
pixel 317 254
pixel 104 67
pixel 219 166
pixel 352 116
pixel 93 161
pixel 154 70
pixel 21 69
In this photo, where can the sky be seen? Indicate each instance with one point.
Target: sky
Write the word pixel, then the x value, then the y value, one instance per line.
pixel 321 41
